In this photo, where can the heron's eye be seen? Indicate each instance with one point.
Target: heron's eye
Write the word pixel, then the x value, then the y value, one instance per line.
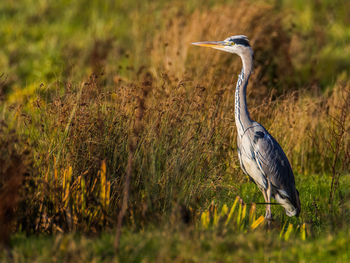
pixel 232 43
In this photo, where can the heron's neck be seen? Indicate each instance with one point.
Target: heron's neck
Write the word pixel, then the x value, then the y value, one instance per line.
pixel 242 117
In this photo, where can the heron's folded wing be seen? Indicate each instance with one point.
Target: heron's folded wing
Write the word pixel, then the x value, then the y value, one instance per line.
pixel 273 163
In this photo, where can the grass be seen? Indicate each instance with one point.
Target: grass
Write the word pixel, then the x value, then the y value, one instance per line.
pixel 184 245
pixel 87 84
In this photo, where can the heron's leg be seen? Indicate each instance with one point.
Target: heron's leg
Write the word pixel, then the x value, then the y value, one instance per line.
pixel 268 207
pixel 265 194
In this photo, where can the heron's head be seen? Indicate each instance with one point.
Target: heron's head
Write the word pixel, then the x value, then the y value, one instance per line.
pixel 234 44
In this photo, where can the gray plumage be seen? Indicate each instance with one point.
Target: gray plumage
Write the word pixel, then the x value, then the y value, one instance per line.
pixel 260 155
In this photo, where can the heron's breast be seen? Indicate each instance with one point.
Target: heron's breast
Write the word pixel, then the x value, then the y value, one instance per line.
pixel 253 171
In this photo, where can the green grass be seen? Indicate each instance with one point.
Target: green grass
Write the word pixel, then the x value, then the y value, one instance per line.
pixel 182 245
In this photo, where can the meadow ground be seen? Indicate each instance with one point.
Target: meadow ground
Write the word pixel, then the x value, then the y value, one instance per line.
pixel 91 91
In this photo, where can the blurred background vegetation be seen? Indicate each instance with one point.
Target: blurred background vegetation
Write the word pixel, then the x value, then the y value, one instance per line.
pixel 83 80
pixel 45 41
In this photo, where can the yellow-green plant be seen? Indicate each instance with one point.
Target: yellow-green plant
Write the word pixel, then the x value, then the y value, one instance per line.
pixel 69 195
pixel 241 220
pixel 285 233
pixel 105 187
pixel 232 210
pixel 231 219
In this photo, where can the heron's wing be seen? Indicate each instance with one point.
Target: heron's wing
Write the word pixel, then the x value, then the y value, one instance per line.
pixel 273 162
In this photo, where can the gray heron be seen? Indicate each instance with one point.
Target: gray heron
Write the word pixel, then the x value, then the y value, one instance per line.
pixel 260 155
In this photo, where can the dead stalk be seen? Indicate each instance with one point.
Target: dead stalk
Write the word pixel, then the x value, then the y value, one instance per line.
pixel 133 141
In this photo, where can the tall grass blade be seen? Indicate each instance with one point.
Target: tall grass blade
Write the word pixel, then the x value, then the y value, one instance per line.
pixel 252 213
pixel 257 222
pixel 282 230
pixel 244 211
pixel 224 211
pixel 215 216
pixel 239 214
pixel 288 232
pixel 232 210
pixel 303 232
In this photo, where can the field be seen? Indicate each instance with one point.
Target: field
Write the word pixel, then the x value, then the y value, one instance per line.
pixel 99 95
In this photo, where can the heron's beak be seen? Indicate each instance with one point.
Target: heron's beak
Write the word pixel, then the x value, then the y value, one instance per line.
pixel 213 44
